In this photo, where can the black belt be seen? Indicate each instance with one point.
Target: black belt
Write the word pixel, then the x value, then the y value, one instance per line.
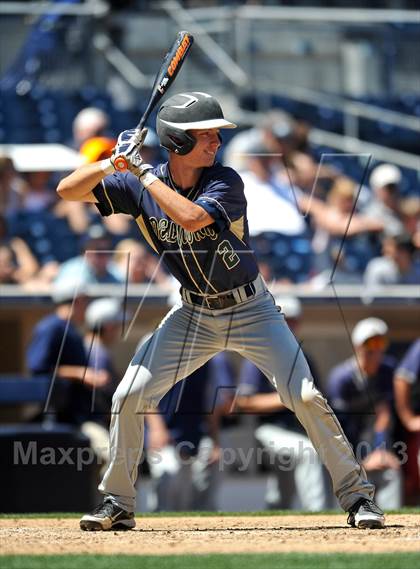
pixel 222 300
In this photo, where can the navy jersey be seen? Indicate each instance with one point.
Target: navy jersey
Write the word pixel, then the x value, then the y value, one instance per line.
pixel 211 260
pixel 354 397
pixel 44 349
pixel 70 400
pixel 409 369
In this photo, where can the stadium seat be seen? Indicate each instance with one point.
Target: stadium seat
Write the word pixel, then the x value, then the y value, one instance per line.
pixel 17 389
pixel 49 237
pixel 290 257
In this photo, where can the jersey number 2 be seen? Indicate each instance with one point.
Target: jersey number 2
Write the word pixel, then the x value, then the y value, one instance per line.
pixel 229 257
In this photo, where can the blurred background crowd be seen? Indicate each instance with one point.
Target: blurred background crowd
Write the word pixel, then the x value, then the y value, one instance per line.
pixel 328 111
pixel 309 221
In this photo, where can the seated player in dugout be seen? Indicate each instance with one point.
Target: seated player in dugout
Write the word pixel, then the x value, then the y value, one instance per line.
pixel 192 211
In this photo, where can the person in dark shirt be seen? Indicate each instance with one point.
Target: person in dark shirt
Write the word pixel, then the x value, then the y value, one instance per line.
pixel 56 350
pixel 93 266
pixel 360 390
pixel 407 401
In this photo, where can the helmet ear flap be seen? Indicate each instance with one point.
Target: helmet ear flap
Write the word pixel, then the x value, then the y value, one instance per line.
pixel 174 139
pixel 187 144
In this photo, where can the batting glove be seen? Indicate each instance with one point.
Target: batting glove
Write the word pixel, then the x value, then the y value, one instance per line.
pixel 129 142
pixel 136 165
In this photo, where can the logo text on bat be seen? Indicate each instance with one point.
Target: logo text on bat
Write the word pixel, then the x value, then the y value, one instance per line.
pixel 180 52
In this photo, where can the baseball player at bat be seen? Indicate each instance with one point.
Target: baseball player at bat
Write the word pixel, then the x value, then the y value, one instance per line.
pixel 192 211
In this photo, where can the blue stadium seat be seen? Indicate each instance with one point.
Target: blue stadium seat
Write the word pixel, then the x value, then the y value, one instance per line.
pixel 17 389
pixel 288 256
pixel 19 111
pixel 49 237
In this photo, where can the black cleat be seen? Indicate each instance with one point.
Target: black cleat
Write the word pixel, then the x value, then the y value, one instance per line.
pixel 365 514
pixel 108 516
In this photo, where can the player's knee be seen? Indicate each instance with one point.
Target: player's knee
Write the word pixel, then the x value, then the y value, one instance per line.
pixel 136 393
pixel 129 391
pixel 305 393
pixel 122 399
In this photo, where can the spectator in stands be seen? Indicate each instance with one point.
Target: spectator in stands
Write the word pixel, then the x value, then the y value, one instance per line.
pixel 182 439
pixel 279 212
pixel 304 173
pixel 88 123
pixel 281 435
pixel 278 220
pixel 12 186
pixel 340 271
pixel 8 265
pixel 410 216
pixel 17 264
pixel 276 133
pixel 399 263
pixel 360 390
pixel 38 220
pixel 133 261
pixel 335 219
pixel 93 266
pixel 97 148
pixel 39 196
pixel 407 401
pixel 284 140
pixel 384 204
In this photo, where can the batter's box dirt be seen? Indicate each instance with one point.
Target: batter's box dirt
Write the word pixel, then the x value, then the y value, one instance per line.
pixel 236 534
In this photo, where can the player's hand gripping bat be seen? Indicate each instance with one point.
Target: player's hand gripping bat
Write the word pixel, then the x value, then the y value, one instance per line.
pixel 168 71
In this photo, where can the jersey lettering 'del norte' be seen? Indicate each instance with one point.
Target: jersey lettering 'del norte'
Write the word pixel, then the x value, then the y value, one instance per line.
pixel 211 260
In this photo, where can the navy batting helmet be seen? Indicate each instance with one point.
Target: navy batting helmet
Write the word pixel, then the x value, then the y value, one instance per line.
pixel 184 112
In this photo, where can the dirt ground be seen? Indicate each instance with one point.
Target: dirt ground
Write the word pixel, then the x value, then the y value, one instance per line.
pixel 183 535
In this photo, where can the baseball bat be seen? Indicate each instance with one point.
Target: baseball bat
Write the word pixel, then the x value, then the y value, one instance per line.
pixel 168 71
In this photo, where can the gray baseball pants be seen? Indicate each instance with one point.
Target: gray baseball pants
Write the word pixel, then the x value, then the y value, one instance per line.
pixel 190 335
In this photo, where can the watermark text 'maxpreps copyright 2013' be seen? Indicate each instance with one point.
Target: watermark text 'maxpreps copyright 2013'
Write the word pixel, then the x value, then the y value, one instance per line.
pixel 284 458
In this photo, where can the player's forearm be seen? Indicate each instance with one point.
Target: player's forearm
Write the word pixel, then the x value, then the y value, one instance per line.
pixel 181 210
pixel 76 373
pixel 214 419
pixel 362 224
pixel 383 417
pixel 260 403
pixel 78 185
